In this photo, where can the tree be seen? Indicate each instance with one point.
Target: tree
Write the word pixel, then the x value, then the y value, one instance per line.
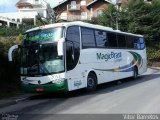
pixel 136 17
pixel 108 17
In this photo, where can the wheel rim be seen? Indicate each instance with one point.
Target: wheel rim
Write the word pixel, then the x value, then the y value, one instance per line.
pixel 90 82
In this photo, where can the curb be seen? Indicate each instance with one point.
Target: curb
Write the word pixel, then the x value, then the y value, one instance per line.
pixel 154 69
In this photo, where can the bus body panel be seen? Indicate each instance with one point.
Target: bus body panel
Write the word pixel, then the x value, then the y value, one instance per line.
pixel 112 68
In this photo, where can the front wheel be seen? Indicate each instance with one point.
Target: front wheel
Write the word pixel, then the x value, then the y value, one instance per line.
pixel 91 82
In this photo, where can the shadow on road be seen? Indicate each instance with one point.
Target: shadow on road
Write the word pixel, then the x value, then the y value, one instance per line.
pixel 105 87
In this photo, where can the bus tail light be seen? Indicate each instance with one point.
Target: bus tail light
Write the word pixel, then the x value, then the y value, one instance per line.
pixel 39 89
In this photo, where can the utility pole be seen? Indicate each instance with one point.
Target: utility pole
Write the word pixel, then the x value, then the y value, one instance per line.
pixel 118 4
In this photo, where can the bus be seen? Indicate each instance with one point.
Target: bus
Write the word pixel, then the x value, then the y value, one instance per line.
pixel 68 56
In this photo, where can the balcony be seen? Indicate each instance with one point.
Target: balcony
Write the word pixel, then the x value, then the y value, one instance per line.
pixel 74 7
pixel 77 18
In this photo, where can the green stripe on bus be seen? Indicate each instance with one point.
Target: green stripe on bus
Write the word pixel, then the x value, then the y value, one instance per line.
pixel 55 87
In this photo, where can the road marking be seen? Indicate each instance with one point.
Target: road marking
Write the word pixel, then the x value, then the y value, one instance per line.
pixel 21 99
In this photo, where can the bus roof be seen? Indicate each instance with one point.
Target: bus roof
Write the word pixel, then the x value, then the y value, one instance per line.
pixel 83 24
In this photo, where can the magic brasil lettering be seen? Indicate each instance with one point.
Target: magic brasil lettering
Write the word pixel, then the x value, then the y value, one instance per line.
pixel 109 56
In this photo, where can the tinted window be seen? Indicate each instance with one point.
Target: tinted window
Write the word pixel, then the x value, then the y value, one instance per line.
pixel 73 34
pixel 101 38
pixel 72 47
pixel 42 36
pixel 130 41
pixel 112 39
pixel 139 43
pixel 88 38
pixel 136 45
pixel 121 41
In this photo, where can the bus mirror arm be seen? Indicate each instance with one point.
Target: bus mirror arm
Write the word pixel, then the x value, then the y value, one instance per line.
pixel 72 48
pixel 73 52
pixel 11 49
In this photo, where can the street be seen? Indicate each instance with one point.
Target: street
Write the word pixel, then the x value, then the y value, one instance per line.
pixel 140 96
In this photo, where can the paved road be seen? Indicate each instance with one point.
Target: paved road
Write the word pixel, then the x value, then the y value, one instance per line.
pixel 125 97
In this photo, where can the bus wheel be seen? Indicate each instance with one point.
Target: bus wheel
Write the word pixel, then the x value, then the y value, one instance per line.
pixel 135 73
pixel 91 82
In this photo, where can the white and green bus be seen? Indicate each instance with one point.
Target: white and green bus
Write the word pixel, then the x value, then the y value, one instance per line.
pixel 74 55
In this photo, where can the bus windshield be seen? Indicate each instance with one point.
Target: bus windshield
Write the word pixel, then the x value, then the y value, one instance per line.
pixel 41 59
pixel 42 36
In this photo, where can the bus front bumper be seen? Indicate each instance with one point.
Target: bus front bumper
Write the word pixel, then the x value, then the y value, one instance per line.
pixel 54 87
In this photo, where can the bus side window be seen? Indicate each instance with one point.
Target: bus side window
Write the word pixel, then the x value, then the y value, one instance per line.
pixel 112 39
pixel 88 40
pixel 129 42
pixel 142 43
pixel 121 41
pixel 139 43
pixel 72 47
pixel 101 38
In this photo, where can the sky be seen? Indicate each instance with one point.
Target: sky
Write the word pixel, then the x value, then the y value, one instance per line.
pixel 9 5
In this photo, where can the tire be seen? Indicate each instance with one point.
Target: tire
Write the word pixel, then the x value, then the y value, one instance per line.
pixel 135 73
pixel 91 82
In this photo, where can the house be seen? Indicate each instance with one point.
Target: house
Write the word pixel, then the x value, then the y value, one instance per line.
pixel 148 1
pixel 121 3
pixel 27 10
pixel 71 10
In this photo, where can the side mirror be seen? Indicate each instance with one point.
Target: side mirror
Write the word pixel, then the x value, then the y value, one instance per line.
pixel 60 46
pixel 11 49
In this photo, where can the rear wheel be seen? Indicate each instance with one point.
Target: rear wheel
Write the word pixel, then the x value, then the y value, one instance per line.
pixel 91 82
pixel 135 73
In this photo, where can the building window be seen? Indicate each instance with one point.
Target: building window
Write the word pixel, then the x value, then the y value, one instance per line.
pixel 83 3
pixel 72 17
pixel 63 16
pixel 41 14
pixel 83 15
pixel 36 1
pixel 91 13
pixel 18 20
pixel 99 12
pixel 73 4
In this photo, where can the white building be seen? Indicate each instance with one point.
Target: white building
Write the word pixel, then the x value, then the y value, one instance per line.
pixel 27 10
